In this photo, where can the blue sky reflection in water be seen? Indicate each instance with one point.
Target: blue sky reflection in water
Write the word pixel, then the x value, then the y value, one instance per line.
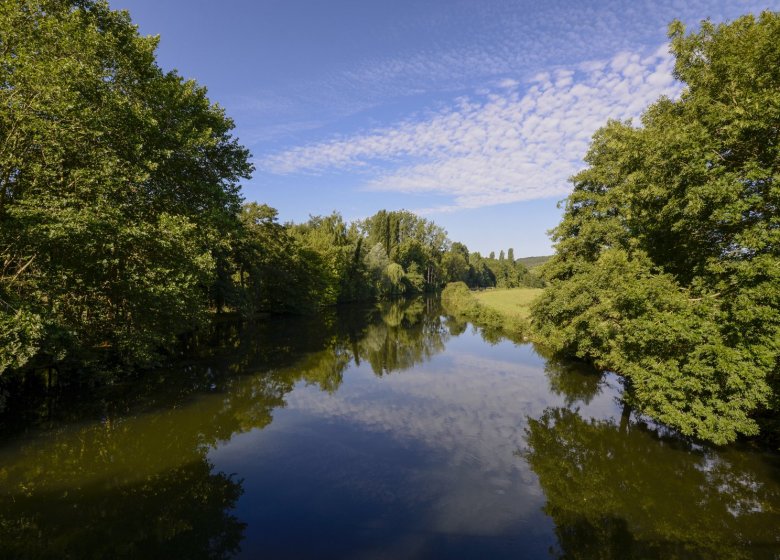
pixel 473 113
pixel 403 464
pixel 433 460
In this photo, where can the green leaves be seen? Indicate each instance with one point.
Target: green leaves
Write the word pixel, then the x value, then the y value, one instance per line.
pixel 667 264
pixel 117 177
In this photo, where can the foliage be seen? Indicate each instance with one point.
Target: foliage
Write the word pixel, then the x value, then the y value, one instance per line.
pixel 667 265
pixel 116 181
pixel 532 262
pixel 408 239
pixel 275 271
pixel 454 266
pixel 121 221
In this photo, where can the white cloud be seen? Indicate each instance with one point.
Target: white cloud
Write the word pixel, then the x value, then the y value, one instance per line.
pixel 508 145
pixel 508 83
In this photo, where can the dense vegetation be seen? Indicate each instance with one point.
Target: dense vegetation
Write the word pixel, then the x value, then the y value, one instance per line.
pixel 121 221
pixel 667 265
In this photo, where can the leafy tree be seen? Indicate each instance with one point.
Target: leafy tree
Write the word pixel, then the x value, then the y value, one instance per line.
pixel 118 183
pixel 408 238
pixel 394 275
pixel 510 255
pixel 377 261
pixel 667 265
pixel 414 279
pixel 275 272
pixel 460 248
pixel 480 275
pixel 454 267
pixel 336 250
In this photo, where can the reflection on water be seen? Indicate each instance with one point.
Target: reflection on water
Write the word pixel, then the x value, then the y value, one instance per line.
pixel 624 492
pixel 386 432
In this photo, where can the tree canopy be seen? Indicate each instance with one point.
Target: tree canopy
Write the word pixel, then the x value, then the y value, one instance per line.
pixel 117 182
pixel 667 265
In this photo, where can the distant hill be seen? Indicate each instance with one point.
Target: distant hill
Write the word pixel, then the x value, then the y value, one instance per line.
pixel 531 262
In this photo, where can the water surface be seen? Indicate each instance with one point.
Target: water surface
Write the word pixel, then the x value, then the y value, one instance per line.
pixel 392 432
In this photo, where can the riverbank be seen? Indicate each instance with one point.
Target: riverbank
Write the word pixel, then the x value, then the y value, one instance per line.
pixel 505 310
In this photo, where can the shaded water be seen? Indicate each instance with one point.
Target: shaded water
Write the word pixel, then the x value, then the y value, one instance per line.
pixel 384 433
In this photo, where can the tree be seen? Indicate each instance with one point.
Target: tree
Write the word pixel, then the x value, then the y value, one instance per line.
pixel 118 186
pixel 414 279
pixel 336 249
pixel 479 275
pixel 273 270
pixel 454 267
pixel 407 238
pixel 460 248
pixel 394 277
pixel 510 255
pixel 667 265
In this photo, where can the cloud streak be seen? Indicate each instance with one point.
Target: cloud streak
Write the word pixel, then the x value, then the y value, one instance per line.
pixel 509 145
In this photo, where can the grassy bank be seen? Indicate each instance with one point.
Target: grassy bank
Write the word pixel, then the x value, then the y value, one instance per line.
pixel 515 302
pixel 504 310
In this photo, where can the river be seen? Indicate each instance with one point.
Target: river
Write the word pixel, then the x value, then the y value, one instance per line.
pixel 383 432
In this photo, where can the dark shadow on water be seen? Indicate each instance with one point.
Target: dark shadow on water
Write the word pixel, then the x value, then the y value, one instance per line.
pixel 121 470
pixel 180 513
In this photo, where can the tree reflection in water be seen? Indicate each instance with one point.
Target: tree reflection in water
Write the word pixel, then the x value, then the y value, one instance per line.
pixel 127 474
pixel 627 490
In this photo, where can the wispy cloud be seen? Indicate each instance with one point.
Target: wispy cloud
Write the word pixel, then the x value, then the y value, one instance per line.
pixel 440 53
pixel 518 142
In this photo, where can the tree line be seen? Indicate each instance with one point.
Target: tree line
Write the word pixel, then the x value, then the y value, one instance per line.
pixel 122 225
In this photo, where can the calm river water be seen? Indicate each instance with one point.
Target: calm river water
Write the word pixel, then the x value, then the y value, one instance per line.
pixel 390 432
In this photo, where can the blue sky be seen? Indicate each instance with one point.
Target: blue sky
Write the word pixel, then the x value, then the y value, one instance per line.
pixel 473 113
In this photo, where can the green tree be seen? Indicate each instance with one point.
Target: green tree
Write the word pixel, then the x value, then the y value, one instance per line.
pixel 455 267
pixel 119 184
pixel 414 279
pixel 408 238
pixel 480 275
pixel 336 253
pixel 667 265
pixel 394 276
pixel 273 271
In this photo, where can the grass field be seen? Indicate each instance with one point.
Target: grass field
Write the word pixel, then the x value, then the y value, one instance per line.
pixel 516 301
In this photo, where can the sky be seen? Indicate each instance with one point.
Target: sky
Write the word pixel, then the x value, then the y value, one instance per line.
pixel 472 113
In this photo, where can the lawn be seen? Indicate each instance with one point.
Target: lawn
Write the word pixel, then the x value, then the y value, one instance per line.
pixel 516 301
